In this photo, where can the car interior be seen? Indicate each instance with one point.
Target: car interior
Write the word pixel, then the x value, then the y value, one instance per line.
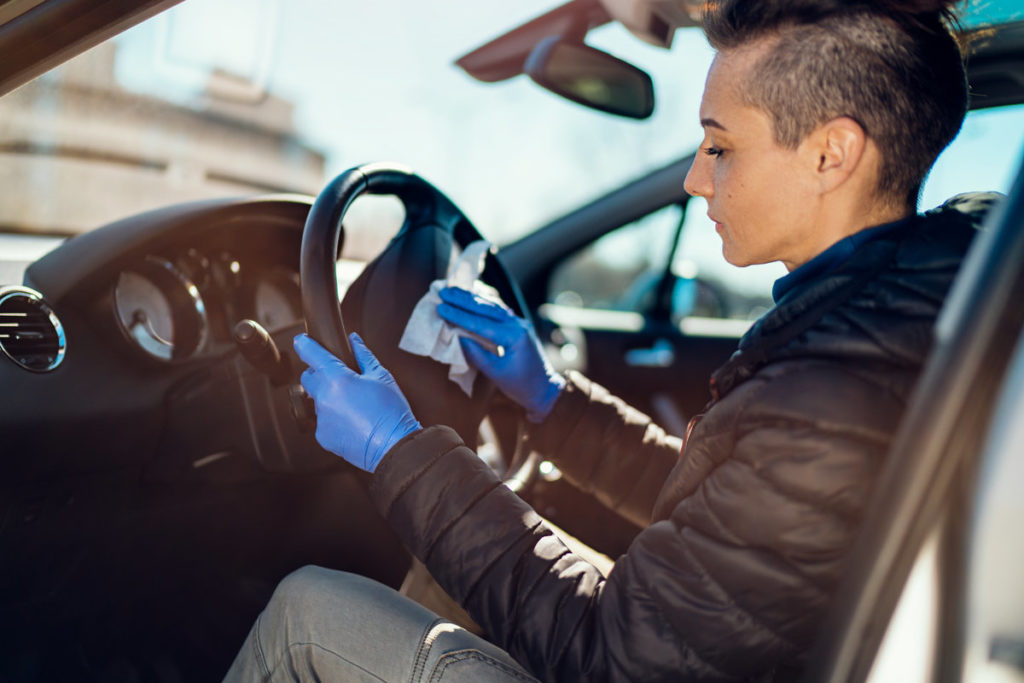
pixel 160 471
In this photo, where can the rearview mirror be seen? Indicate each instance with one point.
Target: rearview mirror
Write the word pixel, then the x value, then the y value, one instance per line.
pixel 590 77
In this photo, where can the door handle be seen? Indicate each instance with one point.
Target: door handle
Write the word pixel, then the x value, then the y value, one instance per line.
pixel 660 355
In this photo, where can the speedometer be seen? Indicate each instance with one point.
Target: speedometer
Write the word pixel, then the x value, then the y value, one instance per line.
pixel 160 310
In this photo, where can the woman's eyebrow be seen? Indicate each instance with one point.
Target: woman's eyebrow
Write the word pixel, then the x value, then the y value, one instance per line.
pixel 711 123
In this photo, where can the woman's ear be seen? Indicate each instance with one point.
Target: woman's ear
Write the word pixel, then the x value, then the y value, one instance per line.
pixel 838 148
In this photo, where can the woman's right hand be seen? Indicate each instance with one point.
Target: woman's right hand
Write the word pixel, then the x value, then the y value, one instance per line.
pixel 519 367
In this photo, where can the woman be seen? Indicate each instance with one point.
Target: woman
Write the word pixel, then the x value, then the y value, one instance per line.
pixel 821 121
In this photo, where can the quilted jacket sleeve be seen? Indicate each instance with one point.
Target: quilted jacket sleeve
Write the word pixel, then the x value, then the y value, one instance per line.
pixel 607 448
pixel 730 585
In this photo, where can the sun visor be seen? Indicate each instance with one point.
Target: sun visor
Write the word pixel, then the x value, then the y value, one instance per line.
pixel 503 57
pixel 655 21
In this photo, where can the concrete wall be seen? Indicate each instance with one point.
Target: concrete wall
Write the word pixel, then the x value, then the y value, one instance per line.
pixel 78 151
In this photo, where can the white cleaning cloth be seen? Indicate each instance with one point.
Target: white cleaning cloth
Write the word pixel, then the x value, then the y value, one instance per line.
pixel 427 334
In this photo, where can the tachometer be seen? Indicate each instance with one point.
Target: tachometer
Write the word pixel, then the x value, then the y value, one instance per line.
pixel 160 310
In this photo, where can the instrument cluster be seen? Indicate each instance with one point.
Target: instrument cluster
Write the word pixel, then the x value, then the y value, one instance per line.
pixel 173 307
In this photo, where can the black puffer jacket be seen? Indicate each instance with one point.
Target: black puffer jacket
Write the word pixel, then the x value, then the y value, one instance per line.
pixel 751 524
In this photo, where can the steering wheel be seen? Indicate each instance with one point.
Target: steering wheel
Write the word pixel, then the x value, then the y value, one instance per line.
pixel 378 304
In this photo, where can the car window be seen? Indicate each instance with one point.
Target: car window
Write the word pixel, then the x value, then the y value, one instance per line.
pixel 985 156
pixel 607 273
pixel 622 270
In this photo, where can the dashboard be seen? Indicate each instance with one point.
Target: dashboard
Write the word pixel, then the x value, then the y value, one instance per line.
pixel 153 478
pixel 148 370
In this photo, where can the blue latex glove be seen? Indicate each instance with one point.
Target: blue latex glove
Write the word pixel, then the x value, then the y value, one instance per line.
pixel 359 417
pixel 522 372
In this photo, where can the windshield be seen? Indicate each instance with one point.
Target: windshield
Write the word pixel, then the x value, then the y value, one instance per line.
pixel 228 97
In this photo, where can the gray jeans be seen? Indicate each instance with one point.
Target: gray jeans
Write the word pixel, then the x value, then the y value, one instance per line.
pixel 324 625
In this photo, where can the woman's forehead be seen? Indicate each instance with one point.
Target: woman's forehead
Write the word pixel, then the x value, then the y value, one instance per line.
pixel 723 101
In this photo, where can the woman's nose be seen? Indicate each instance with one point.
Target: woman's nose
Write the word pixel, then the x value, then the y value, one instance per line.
pixel 698 178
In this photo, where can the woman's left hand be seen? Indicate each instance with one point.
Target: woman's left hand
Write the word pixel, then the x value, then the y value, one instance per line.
pixel 358 416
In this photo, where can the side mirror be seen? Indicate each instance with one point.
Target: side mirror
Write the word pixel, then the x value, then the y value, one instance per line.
pixel 590 77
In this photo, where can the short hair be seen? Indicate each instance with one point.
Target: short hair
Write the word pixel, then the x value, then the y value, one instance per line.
pixel 895 67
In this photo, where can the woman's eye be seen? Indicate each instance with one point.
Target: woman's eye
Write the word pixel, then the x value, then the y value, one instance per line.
pixel 713 151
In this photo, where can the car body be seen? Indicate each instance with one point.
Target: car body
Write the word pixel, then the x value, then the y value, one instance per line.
pixel 157 483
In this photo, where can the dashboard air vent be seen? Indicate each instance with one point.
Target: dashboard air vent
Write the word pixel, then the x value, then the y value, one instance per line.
pixel 30 333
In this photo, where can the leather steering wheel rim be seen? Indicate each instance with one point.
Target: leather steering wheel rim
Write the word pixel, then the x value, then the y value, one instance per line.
pixel 323 235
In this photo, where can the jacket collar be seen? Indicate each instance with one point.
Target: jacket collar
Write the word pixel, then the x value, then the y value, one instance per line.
pixel 830 259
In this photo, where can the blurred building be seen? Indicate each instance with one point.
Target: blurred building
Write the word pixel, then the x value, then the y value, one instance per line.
pixel 78 151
